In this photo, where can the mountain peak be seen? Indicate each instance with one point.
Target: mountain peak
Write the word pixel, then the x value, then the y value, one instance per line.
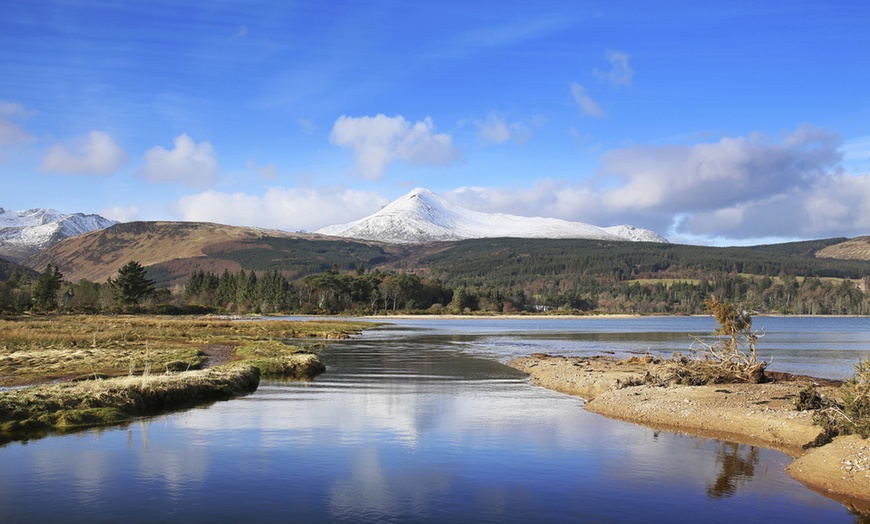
pixel 421 216
pixel 23 233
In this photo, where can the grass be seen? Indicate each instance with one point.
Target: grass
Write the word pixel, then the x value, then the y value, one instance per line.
pixel 74 405
pixel 42 349
pixel 274 358
pixel 139 365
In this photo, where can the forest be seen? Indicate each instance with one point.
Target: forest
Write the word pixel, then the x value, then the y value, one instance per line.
pixel 364 292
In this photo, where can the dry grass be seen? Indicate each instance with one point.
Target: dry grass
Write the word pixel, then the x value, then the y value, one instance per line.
pixel 153 360
pixel 40 349
pixel 99 402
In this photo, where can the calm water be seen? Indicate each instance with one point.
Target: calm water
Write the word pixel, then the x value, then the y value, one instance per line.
pixel 420 422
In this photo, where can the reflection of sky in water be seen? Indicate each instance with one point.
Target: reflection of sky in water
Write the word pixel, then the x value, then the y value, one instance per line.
pixel 406 429
pixel 825 347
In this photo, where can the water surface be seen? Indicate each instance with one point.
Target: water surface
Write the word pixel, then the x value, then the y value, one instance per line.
pixel 410 423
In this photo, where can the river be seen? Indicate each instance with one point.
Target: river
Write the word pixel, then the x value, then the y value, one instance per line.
pixel 419 421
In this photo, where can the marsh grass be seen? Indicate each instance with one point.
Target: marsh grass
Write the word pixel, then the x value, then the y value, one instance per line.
pixel 276 358
pixel 100 402
pixel 41 349
pixel 102 370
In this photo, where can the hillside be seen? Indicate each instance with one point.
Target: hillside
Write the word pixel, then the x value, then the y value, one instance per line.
pixel 510 262
pixel 173 250
pixel 857 248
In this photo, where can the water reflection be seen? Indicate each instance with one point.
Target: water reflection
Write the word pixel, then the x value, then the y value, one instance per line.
pixel 738 467
pixel 404 428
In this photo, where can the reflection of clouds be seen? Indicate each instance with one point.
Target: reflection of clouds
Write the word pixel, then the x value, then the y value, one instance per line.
pixel 174 467
pixel 87 470
pixel 371 490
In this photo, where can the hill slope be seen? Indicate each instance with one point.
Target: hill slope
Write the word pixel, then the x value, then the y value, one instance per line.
pixel 173 250
pixel 857 248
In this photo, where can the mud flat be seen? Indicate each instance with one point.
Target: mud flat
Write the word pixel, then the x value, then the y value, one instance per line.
pixel 755 414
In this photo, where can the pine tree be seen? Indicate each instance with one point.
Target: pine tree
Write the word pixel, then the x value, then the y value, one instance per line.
pixel 132 285
pixel 45 291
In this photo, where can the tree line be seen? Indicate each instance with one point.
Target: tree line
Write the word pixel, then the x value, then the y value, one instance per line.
pixel 365 292
pixel 50 292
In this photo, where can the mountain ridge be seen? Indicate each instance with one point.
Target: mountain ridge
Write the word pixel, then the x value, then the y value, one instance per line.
pixel 24 233
pixel 421 216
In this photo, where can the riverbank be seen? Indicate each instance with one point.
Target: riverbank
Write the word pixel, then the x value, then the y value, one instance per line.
pixel 59 373
pixel 755 414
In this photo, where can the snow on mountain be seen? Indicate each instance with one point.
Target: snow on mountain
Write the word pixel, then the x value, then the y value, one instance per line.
pixel 421 216
pixel 635 234
pixel 24 232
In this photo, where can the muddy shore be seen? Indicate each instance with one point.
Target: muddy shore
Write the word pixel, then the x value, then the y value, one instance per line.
pixel 755 414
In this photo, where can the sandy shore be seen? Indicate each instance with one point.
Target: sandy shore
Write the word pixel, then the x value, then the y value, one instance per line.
pixel 756 414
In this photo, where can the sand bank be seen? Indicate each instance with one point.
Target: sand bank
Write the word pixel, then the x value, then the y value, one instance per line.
pixel 756 414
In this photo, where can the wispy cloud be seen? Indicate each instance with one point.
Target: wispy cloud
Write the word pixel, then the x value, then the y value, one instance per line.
pixel 620 73
pixel 189 164
pixel 378 141
pixel 267 172
pixel 587 105
pixel 496 129
pixel 98 154
pixel 308 126
pixel 121 213
pixel 11 133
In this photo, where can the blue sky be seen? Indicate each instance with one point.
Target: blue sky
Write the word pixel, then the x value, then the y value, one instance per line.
pixel 726 123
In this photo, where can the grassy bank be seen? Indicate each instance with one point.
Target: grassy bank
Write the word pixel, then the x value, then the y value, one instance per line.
pixel 74 405
pixel 97 370
pixel 42 349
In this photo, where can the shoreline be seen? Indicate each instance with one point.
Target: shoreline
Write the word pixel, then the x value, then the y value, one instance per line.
pixel 755 414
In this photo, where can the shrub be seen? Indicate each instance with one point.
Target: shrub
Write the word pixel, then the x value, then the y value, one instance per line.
pixel 732 358
pixel 852 414
pixel 855 395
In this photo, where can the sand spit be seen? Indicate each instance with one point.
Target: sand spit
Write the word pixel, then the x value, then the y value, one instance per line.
pixel 756 414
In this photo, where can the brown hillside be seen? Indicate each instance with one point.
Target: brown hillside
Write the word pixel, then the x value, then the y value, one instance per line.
pixel 857 248
pixel 97 256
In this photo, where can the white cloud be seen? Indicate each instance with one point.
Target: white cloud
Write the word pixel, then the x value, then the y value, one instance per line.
pixel 720 174
pixel 289 209
pixel 547 198
pixel 497 130
pixel 121 213
pixel 587 105
pixel 731 191
pixel 99 154
pixel 189 164
pixel 620 73
pixel 380 140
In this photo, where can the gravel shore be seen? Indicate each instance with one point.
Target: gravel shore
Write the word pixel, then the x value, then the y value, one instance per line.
pixel 757 414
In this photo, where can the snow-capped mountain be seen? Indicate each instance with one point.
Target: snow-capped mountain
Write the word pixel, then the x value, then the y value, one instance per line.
pixel 23 233
pixel 421 216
